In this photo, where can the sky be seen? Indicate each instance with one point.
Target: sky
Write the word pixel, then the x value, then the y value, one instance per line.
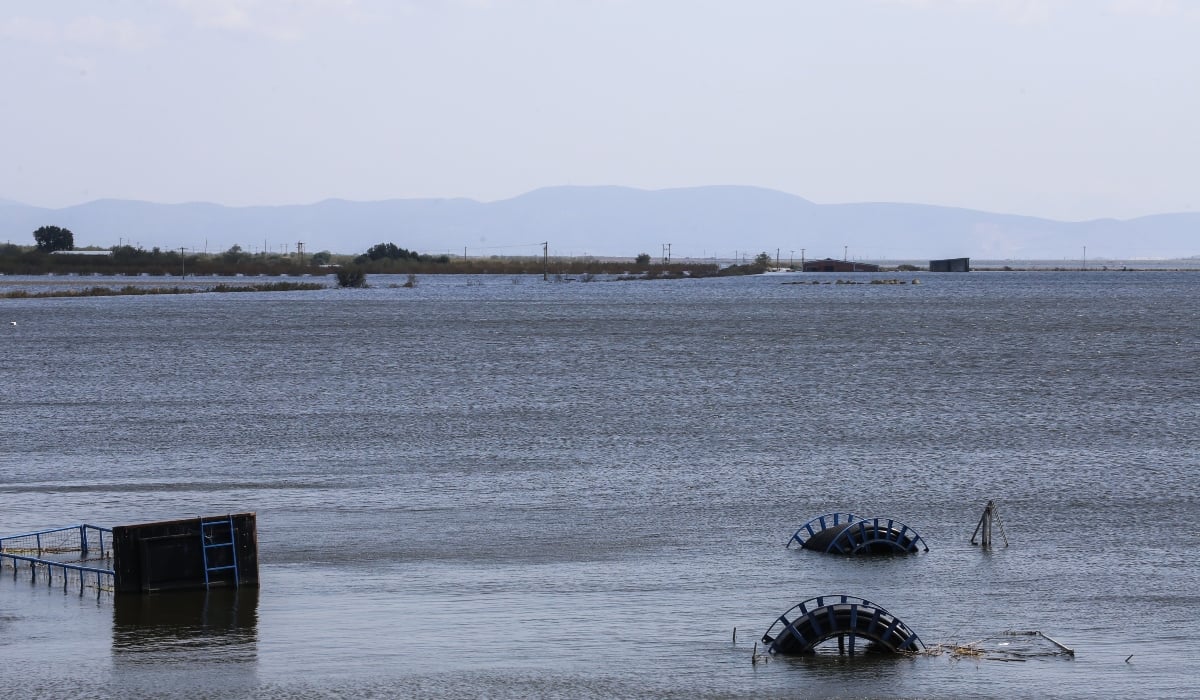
pixel 1065 109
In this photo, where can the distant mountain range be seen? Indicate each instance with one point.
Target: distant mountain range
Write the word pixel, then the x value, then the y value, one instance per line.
pixel 698 222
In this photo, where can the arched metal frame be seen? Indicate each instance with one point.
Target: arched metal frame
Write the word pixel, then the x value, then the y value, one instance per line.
pixel 804 626
pixel 846 533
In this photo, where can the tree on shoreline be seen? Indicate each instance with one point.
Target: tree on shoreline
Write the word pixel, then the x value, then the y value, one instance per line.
pixel 52 238
pixel 391 252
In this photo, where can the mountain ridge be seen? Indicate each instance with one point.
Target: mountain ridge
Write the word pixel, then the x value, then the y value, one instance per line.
pixel 721 221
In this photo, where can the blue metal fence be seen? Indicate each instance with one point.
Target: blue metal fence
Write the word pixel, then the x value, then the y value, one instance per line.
pixel 77 552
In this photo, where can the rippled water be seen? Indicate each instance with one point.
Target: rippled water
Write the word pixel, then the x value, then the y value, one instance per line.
pixel 501 487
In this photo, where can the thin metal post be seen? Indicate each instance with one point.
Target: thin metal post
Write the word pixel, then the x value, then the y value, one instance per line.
pixel 984 529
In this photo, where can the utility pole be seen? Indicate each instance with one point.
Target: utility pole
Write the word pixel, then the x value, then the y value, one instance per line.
pixel 182 263
pixel 792 260
pixel 300 251
pixel 666 253
pixel 802 260
pixel 776 257
pixel 546 261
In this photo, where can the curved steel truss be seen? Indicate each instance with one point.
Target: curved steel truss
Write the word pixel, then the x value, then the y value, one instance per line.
pixel 847 618
pixel 846 533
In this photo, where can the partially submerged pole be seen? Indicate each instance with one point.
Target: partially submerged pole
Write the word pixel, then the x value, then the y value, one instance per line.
pixel 984 529
pixel 1062 646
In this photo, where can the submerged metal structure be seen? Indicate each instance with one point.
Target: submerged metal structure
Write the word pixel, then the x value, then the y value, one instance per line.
pixel 73 554
pixel 196 553
pixel 991 512
pixel 846 533
pixel 848 619
pixel 182 554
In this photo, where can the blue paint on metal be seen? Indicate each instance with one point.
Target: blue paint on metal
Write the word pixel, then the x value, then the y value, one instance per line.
pixel 61 566
pixel 874 620
pixel 818 524
pixel 791 628
pixel 858 534
pixel 207 542
pixel 35 548
pixel 838 616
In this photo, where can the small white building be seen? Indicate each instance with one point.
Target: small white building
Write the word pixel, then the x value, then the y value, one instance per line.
pixel 81 252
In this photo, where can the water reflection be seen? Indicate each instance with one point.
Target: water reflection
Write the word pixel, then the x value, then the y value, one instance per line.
pixel 220 625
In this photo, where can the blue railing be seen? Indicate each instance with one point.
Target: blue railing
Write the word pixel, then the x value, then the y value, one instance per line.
pixel 70 552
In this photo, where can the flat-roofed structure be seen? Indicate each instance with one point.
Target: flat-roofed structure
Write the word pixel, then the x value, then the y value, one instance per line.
pixel 831 265
pixel 950 265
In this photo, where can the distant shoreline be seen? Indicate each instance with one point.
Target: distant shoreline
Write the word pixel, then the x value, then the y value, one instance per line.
pixel 207 282
pixel 51 291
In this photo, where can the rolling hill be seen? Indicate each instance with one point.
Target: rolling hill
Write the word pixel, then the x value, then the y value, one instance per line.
pixel 698 222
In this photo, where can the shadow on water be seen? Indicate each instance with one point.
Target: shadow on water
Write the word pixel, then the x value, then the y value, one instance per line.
pixel 190 627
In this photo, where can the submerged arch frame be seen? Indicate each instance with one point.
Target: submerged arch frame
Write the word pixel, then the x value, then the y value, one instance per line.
pixel 804 626
pixel 847 533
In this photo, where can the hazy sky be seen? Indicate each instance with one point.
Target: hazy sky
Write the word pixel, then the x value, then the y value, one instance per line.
pixel 1069 109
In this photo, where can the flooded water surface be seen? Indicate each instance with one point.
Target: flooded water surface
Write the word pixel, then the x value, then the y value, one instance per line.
pixel 504 487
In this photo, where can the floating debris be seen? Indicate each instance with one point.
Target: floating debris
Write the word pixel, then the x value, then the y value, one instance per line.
pixel 1007 646
pixel 842 281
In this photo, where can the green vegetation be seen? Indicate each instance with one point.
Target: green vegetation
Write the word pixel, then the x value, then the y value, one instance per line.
pixel 761 263
pixel 127 260
pixel 52 238
pixel 133 290
pixel 382 258
pixel 390 251
pixel 353 277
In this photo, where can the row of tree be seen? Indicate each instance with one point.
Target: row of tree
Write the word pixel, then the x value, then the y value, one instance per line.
pixel 382 258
